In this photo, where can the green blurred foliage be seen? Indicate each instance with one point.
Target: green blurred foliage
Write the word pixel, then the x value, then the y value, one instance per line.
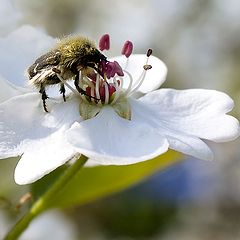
pixel 91 183
pixel 126 215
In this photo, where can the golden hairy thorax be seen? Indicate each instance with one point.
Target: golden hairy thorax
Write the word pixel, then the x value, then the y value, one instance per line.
pixel 74 47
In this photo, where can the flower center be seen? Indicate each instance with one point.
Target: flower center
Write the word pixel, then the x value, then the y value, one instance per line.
pixel 103 85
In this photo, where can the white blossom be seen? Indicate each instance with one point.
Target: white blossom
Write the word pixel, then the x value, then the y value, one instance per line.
pixel 123 120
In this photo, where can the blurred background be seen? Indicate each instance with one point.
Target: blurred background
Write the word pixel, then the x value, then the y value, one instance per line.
pixel 199 40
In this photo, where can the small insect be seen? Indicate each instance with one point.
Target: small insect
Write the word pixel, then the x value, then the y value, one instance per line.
pixel 71 56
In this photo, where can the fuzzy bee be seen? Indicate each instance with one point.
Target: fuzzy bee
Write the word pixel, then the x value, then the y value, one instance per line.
pixel 64 62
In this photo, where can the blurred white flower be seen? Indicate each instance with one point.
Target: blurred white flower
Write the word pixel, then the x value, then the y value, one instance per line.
pixel 19 49
pixel 51 225
pixel 9 16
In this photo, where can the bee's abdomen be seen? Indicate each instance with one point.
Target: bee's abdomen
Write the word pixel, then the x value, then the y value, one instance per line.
pixel 46 77
pixel 45 62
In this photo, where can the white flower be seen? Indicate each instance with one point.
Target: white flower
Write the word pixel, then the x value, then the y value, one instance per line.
pixel 121 120
pixel 25 129
pixel 161 119
pixel 8 90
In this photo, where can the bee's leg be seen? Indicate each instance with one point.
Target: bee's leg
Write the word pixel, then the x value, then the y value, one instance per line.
pixel 92 65
pixel 44 97
pixel 76 83
pixel 62 91
pixel 80 90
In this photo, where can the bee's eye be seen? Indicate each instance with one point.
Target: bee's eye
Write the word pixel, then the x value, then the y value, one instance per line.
pixel 102 57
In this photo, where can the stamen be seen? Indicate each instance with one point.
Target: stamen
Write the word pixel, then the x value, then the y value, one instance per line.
pixel 117 92
pixel 88 82
pixel 130 83
pixel 127 48
pixel 97 87
pixel 126 63
pixel 118 70
pixel 141 78
pixel 92 94
pixel 104 42
pixel 109 69
pixel 67 85
pixel 106 93
pixel 92 87
pixel 140 81
pixel 147 67
pixel 149 52
pixel 120 82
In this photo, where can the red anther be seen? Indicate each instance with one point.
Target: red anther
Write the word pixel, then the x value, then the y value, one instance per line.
pixel 118 69
pixel 147 67
pixel 102 93
pixel 92 76
pixel 111 90
pixel 111 68
pixel 88 91
pixel 104 42
pixel 127 48
pixel 149 52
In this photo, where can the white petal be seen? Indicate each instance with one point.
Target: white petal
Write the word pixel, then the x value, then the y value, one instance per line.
pixel 17 122
pixel 8 90
pixel 189 145
pixel 26 129
pixel 178 140
pixel 110 139
pixel 154 77
pixel 197 112
pixel 42 156
pixel 18 51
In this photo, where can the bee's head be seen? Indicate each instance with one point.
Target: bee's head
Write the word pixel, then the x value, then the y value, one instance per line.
pixel 92 56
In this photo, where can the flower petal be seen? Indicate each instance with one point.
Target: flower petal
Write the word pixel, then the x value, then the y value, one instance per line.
pixel 154 77
pixel 110 139
pixel 19 49
pixel 178 140
pixel 189 145
pixel 196 112
pixel 42 156
pixel 26 129
pixel 8 90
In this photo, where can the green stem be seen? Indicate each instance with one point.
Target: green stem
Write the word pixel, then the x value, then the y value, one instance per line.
pixel 39 205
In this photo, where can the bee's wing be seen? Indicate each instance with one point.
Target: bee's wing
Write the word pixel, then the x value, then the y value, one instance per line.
pixel 44 62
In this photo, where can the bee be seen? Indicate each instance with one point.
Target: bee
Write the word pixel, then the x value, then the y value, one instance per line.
pixel 65 61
